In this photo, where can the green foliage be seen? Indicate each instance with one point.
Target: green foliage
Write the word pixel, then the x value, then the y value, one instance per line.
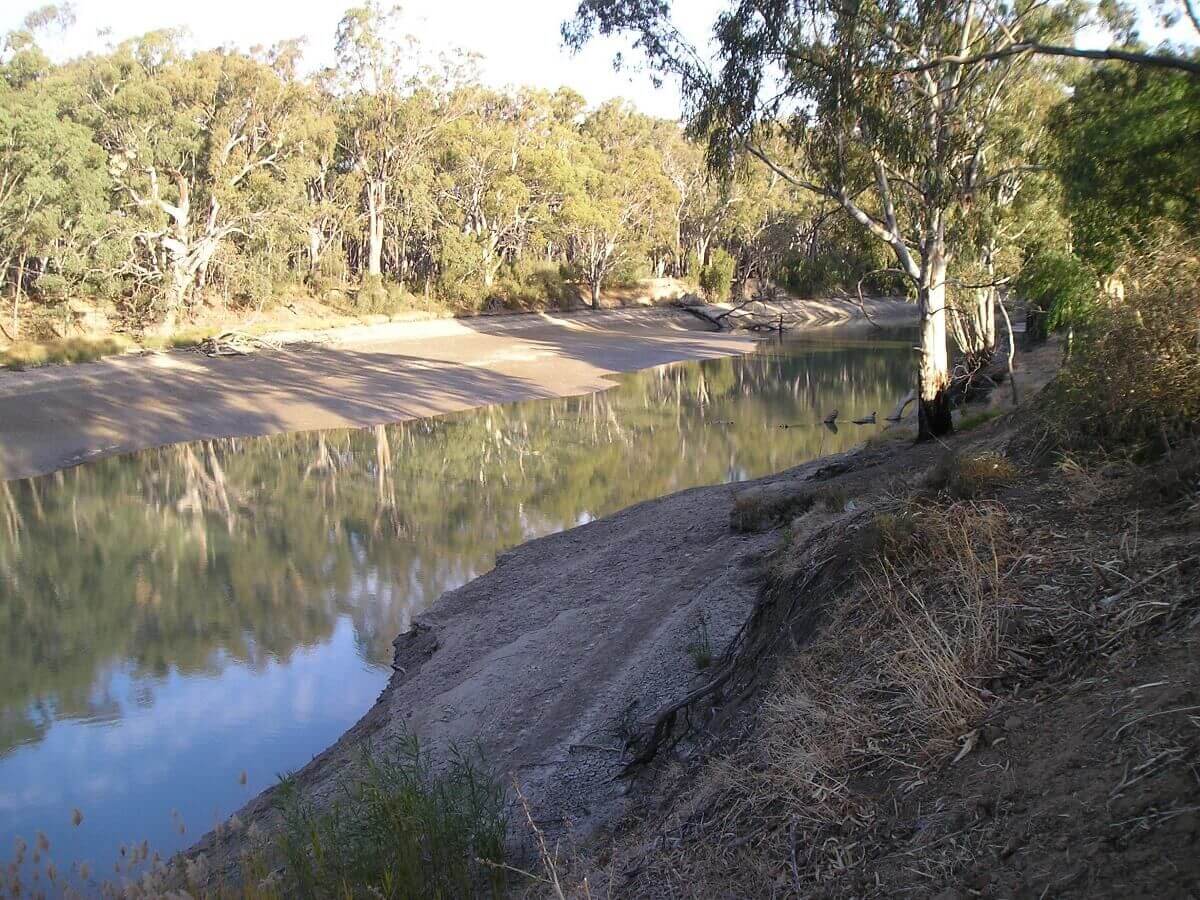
pixel 536 285
pixel 379 297
pixel 1127 158
pixel 716 278
pixel 1132 382
pixel 400 829
pixel 1059 292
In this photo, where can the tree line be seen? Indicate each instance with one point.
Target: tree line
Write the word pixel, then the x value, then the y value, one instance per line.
pixel 940 150
pixel 154 179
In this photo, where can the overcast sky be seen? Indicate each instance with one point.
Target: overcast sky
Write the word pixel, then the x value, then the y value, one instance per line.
pixel 519 41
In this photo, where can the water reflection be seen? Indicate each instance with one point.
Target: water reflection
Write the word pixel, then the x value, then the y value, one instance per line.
pixel 172 618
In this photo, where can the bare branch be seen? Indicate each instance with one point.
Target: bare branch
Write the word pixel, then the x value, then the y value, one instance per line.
pixel 1153 60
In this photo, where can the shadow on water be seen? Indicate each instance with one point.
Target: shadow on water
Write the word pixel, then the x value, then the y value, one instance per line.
pixel 172 619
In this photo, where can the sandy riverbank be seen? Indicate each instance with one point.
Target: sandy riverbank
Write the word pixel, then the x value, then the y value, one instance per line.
pixel 357 376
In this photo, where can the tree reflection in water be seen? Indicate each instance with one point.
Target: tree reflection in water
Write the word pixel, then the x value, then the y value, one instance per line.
pixel 188 559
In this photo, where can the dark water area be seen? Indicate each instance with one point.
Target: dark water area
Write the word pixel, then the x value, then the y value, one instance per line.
pixel 180 626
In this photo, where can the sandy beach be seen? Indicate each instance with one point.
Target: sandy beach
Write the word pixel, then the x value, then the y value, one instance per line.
pixel 366 375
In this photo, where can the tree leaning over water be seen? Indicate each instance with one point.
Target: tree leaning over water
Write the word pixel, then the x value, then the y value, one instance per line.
pixel 896 111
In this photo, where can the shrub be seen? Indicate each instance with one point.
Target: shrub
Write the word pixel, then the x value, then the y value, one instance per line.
pixel 716 278
pixel 379 297
pixel 399 829
pixel 532 285
pixel 1133 381
pixel 53 287
pixel 1059 292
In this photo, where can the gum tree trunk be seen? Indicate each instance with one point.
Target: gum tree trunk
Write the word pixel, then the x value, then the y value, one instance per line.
pixel 933 368
pixel 375 202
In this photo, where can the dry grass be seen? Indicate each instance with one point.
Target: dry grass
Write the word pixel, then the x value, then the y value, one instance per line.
pixel 959 602
pixel 966 477
pixel 894 683
pixel 28 355
pixel 768 506
pixel 1133 380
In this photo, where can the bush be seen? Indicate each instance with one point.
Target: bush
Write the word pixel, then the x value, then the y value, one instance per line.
pixel 716 278
pixel 536 285
pixel 53 287
pixel 1133 382
pixel 1059 292
pixel 398 830
pixel 379 297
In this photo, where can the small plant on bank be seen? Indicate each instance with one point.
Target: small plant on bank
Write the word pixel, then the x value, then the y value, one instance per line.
pixel 400 828
pixel 716 277
pixel 701 648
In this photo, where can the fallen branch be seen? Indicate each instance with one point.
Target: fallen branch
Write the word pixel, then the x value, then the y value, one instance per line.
pixel 1012 348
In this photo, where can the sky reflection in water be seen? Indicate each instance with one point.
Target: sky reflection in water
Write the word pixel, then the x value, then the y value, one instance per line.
pixel 174 618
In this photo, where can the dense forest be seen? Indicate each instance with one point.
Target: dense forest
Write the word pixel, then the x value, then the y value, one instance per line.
pixel 152 179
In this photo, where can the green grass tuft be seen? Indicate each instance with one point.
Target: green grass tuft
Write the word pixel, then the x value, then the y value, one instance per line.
pixel 701 649
pixel 399 829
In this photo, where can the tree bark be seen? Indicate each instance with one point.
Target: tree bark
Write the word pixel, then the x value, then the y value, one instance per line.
pixel 933 368
pixel 374 229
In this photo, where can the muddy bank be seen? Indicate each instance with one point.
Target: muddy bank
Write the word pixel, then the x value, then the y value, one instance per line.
pixel 357 376
pixel 549 659
pixel 555 656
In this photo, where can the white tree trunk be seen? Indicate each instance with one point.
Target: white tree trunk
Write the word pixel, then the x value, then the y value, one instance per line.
pixel 933 369
pixel 375 228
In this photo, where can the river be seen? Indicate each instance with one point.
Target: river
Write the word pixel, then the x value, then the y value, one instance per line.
pixel 179 626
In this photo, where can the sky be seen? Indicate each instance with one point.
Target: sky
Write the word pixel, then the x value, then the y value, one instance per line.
pixel 519 41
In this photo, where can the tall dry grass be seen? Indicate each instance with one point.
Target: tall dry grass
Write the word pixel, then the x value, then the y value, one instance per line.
pixel 1132 381
pixel 895 682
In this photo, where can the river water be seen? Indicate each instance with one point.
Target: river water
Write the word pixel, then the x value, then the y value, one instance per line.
pixel 180 626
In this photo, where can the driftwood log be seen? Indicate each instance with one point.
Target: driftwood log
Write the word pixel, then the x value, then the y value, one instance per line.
pixel 235 343
pixel 751 315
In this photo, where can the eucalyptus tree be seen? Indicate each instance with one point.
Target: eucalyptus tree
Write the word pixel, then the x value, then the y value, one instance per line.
pixel 1009 214
pixel 1127 156
pixel 203 150
pixel 52 176
pixel 392 113
pixel 616 204
pixel 500 177
pixel 890 107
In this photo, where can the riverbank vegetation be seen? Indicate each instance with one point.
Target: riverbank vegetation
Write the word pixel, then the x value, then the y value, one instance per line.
pixel 974 673
pixel 980 665
pixel 971 665
pixel 145 185
pixel 931 129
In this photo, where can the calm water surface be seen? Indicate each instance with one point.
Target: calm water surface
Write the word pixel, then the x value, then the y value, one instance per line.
pixel 179 626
